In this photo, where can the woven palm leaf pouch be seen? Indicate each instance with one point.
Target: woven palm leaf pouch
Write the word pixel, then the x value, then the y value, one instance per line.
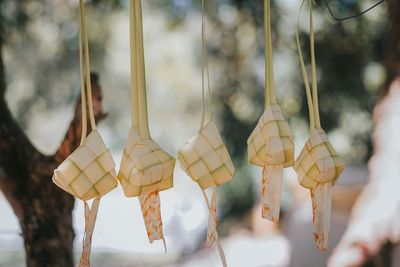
pixel 318 166
pixel 270 145
pixel 205 157
pixel 88 172
pixel 145 168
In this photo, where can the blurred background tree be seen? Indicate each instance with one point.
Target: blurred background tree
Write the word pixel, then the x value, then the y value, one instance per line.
pixel 40 54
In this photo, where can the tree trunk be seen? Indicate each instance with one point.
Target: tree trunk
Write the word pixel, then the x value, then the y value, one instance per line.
pixel 43 210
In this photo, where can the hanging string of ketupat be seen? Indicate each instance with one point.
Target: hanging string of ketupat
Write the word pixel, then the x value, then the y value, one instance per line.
pixel 204 157
pixel 318 165
pixel 145 168
pixel 87 172
pixel 270 145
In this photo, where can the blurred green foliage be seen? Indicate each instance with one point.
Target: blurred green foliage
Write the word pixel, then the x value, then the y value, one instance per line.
pixel 349 65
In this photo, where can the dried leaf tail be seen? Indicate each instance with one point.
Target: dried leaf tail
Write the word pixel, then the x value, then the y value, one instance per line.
pixel 271 191
pixel 90 220
pixel 212 234
pixel 321 202
pixel 150 204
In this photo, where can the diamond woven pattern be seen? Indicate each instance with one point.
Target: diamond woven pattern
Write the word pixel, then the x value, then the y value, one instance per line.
pixel 318 162
pixel 145 168
pixel 271 142
pixel 88 171
pixel 206 159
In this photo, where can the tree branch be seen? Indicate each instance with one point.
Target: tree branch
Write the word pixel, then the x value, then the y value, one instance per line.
pixel 43 209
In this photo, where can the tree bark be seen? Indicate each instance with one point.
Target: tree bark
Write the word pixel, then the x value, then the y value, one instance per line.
pixel 43 209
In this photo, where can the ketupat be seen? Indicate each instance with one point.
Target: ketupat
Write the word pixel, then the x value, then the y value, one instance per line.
pixel 205 158
pixel 87 172
pixel 145 168
pixel 318 165
pixel 318 162
pixel 270 145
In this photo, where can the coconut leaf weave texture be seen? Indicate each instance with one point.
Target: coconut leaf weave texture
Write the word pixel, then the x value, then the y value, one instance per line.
pixel 87 172
pixel 144 167
pixel 271 141
pixel 205 158
pixel 318 162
